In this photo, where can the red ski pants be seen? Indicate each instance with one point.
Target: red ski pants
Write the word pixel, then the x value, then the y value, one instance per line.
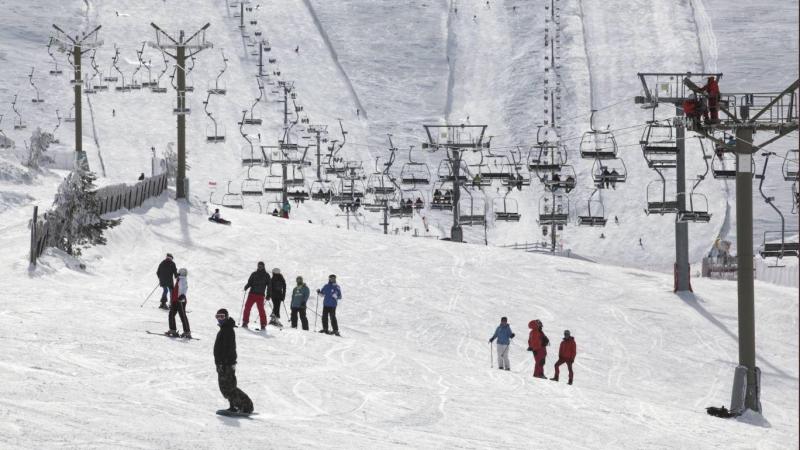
pixel 258 299
pixel 569 367
pixel 538 358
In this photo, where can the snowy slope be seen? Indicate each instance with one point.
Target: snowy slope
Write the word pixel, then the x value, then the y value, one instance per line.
pixel 411 368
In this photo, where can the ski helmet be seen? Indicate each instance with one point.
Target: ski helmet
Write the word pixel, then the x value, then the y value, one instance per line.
pixel 183 272
pixel 223 313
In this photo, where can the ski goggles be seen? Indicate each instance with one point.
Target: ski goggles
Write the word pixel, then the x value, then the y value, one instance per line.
pixel 221 317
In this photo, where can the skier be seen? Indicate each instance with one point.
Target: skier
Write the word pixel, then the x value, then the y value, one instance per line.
pixel 297 49
pixel 285 209
pixel 332 293
pixel 299 300
pixel 277 292
pixel 217 217
pixel 166 272
pixel 503 334
pixel 566 354
pixel 178 306
pixel 616 220
pixel 712 90
pixel 225 359
pixel 141 176
pixel 258 284
pixel 537 343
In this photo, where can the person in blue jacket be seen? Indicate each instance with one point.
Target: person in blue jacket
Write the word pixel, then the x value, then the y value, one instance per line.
pixel 503 334
pixel 332 293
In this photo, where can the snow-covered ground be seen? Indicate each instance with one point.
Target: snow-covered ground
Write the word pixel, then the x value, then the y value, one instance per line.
pixel 412 368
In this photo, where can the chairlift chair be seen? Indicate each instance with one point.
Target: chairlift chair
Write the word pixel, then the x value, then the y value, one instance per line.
pixel 598 144
pixel 553 209
pixel 658 138
pixel 657 201
pixel 608 172
pixel 295 177
pixel 442 198
pixel 563 178
pixel 594 216
pixel 790 165
pixel 252 186
pixel 546 157
pixel 497 167
pixel 506 209
pixel 415 172
pixel 696 209
pixel 472 210
pixel 444 173
pixel 775 243
pixel 273 182
pixel 321 190
pixel 723 166
pixel 231 199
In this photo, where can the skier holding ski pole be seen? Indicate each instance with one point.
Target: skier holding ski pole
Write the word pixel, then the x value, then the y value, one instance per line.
pixel 503 334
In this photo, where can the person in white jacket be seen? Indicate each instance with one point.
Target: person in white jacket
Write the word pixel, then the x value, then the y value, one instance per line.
pixel 178 306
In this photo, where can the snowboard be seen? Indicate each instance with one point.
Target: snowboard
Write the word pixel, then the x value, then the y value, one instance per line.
pixel 171 337
pixel 226 413
pixel 221 221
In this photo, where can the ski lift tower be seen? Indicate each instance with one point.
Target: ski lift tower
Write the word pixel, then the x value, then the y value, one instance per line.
pixel 776 112
pixel 455 139
pixel 77 46
pixel 318 130
pixel 165 42
pixel 668 88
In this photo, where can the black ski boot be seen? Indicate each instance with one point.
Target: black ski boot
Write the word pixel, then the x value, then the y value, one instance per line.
pixel 172 333
pixel 163 305
pixel 186 335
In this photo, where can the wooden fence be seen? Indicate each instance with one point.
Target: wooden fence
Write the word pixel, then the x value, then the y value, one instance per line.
pixel 110 198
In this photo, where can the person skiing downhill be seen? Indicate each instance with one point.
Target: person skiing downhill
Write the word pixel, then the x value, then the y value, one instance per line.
pixel 166 272
pixel 503 334
pixel 177 305
pixel 277 292
pixel 299 301
pixel 566 354
pixel 537 343
pixel 258 283
pixel 332 293
pixel 225 360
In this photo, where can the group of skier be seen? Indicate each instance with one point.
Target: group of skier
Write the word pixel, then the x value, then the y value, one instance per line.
pixel 537 343
pixel 262 287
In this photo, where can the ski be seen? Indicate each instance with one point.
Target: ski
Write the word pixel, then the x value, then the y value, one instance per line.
pixel 226 413
pixel 171 337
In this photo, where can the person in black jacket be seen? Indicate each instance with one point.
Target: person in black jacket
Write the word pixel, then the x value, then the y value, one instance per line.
pixel 258 283
pixel 277 292
pixel 166 273
pixel 225 360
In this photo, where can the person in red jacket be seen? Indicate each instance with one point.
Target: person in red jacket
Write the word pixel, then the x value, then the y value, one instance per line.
pixel 537 343
pixel 566 354
pixel 712 91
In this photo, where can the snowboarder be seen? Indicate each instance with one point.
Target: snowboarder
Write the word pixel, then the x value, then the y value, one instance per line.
pixel 299 301
pixel 217 217
pixel 297 49
pixel 277 292
pixel 225 360
pixel 332 293
pixel 503 334
pixel 566 354
pixel 177 305
pixel 537 343
pixel 258 284
pixel 712 90
pixel 166 272
pixel 285 209
pixel 616 220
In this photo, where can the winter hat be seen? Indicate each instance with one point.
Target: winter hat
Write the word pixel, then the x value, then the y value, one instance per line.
pixel 566 333
pixel 169 255
pixel 261 264
pixel 504 319
pixel 331 276
pixel 299 279
pixel 276 271
pixel 183 272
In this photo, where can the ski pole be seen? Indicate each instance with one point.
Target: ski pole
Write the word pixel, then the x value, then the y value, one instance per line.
pixel 491 356
pixel 316 312
pixel 284 309
pixel 148 295
pixel 241 316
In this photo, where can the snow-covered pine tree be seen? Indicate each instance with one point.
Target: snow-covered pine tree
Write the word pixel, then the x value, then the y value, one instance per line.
pixel 40 141
pixel 74 222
